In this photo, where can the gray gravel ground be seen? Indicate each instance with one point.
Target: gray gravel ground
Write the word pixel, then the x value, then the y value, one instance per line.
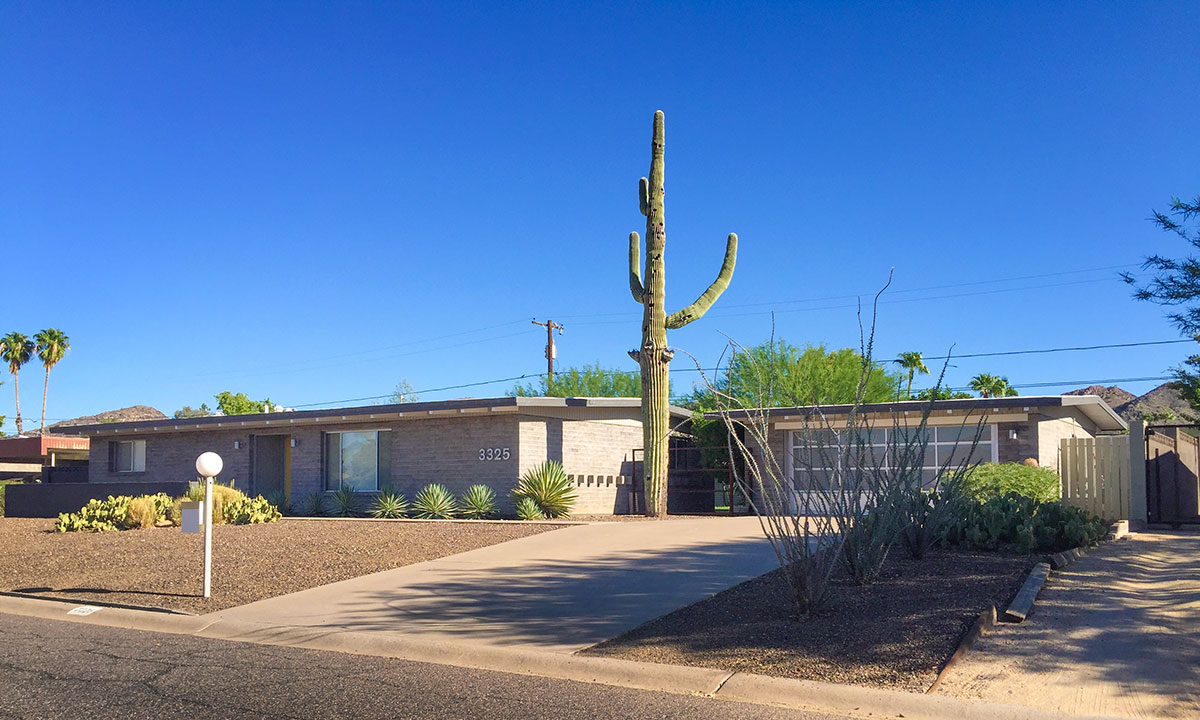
pixel 161 567
pixel 52 669
pixel 895 633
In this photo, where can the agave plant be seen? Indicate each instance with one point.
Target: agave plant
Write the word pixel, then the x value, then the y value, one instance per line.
pixel 345 502
pixel 435 501
pixel 389 504
pixel 314 504
pixel 281 501
pixel 478 502
pixel 548 486
pixel 527 509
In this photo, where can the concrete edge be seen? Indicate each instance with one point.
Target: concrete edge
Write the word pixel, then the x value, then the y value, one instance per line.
pixel 1022 604
pixel 986 621
pixel 91 601
pixel 677 679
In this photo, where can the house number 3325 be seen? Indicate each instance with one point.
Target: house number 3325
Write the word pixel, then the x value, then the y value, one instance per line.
pixel 493 453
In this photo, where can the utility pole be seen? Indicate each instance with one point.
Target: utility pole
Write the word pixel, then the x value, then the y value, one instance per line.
pixel 551 352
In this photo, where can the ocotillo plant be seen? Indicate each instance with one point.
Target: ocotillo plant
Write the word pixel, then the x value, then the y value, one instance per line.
pixel 654 356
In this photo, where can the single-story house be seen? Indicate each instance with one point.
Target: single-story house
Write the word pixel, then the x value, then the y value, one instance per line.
pixel 457 443
pixel 50 458
pixel 1010 429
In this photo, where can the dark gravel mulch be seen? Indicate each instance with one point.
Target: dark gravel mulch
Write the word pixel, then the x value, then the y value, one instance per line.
pixel 895 633
pixel 161 567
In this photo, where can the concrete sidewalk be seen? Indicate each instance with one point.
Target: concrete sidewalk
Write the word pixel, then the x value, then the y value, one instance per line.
pixel 1117 632
pixel 560 591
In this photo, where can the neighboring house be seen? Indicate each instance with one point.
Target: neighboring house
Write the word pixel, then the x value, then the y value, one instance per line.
pixel 457 443
pixel 50 458
pixel 1010 429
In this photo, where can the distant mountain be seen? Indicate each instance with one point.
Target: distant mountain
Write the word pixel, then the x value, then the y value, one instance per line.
pixel 1133 407
pixel 129 414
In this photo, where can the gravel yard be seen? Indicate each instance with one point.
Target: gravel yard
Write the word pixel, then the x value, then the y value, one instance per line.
pixel 895 633
pixel 161 567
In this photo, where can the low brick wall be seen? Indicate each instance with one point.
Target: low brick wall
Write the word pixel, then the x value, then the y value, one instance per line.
pixel 41 500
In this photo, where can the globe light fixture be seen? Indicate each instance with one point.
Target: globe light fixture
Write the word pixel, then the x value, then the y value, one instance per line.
pixel 209 465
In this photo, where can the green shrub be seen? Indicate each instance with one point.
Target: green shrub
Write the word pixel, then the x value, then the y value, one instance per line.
pixel 389 504
pixel 1017 523
pixel 250 511
pixel 527 509
pixel 345 502
pixel 992 480
pixel 435 501
pixel 549 487
pixel 478 502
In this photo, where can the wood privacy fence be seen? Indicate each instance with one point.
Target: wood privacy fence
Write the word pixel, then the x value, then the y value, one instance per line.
pixel 1095 474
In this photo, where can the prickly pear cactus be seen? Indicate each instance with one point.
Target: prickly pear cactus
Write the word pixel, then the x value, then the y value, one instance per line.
pixel 654 356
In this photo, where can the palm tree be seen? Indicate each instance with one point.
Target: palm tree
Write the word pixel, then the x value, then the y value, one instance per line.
pixel 913 363
pixel 992 386
pixel 16 350
pixel 52 345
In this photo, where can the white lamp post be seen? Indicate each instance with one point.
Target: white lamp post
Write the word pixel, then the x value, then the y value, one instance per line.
pixel 209 465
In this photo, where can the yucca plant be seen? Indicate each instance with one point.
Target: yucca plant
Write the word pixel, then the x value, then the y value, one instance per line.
pixel 389 504
pixel 281 501
pixel 478 502
pixel 345 502
pixel 314 504
pixel 548 486
pixel 527 509
pixel 435 501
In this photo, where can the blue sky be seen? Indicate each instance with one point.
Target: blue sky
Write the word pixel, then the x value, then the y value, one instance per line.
pixel 313 201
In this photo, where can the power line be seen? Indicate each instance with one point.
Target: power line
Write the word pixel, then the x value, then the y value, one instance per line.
pixel 1058 350
pixel 428 390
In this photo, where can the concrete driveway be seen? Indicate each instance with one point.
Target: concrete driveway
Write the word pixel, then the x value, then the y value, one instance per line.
pixel 1115 633
pixel 559 591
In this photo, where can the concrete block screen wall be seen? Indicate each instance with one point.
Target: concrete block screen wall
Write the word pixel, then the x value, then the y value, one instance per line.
pixel 455 443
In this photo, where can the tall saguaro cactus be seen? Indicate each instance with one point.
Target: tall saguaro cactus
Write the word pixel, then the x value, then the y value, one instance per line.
pixel 654 356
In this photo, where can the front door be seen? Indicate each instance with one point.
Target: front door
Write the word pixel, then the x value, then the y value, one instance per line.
pixel 270 464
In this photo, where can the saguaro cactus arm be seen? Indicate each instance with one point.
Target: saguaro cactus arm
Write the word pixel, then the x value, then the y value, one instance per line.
pixel 635 267
pixel 704 302
pixel 644 196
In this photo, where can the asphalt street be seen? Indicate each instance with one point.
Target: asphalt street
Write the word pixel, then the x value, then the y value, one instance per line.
pixel 52 669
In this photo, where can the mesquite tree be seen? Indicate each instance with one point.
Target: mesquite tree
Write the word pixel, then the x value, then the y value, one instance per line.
pixel 654 356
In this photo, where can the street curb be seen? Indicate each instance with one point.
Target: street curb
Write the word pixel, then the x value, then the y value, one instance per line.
pixel 741 687
pixel 986 621
pixel 98 603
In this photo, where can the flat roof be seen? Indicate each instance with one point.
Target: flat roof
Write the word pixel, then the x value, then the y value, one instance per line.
pixel 444 408
pixel 1092 406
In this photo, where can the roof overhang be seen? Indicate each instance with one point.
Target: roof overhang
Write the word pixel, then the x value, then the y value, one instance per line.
pixel 1090 406
pixel 446 408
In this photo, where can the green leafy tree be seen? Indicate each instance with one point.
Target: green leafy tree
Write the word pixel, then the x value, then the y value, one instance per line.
pixel 588 381
pixel 992 386
pixel 52 345
pixel 404 393
pixel 1176 284
pixel 188 412
pixel 230 404
pixel 912 363
pixel 942 393
pixel 779 374
pixel 16 350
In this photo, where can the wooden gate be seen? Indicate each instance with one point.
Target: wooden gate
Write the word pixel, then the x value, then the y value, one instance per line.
pixel 1095 475
pixel 1172 472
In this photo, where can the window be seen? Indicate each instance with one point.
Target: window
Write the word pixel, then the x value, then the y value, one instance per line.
pixel 127 456
pixel 813 452
pixel 359 460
